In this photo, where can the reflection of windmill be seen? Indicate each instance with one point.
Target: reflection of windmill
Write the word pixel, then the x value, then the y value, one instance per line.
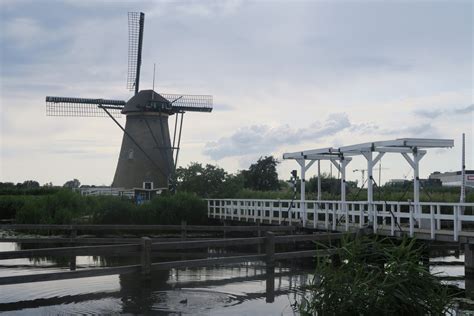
pixel 147 158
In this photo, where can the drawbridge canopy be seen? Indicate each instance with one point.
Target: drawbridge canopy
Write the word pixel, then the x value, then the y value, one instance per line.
pixel 412 149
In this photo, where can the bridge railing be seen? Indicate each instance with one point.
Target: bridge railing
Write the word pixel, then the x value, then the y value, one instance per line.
pixel 408 217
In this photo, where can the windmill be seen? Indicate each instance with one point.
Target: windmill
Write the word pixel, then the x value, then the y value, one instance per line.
pixel 148 157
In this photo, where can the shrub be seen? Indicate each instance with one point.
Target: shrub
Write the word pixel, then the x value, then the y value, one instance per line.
pixel 10 204
pixel 111 210
pixel 59 208
pixel 375 277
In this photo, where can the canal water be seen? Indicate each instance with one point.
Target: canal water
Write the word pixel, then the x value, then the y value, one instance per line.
pixel 234 289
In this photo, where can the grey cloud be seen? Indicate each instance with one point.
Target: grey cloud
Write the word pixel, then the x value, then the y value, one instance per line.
pixel 434 113
pixel 466 110
pixel 265 139
pixel 419 130
pixel 429 113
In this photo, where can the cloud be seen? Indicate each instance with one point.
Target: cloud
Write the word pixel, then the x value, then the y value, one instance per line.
pixel 418 130
pixel 265 139
pixel 434 113
pixel 466 110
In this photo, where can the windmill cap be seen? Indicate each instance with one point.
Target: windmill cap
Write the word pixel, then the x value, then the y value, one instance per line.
pixel 142 101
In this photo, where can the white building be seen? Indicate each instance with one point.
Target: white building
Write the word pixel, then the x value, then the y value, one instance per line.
pixel 454 178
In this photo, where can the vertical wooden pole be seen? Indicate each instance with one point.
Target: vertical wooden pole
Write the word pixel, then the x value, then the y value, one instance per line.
pixel 72 259
pixel 183 230
pixel 146 257
pixel 270 266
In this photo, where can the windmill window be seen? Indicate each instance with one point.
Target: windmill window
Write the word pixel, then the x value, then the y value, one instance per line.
pixel 130 154
pixel 148 185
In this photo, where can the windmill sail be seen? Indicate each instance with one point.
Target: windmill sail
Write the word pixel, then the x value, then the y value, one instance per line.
pixel 136 21
pixel 189 103
pixel 82 107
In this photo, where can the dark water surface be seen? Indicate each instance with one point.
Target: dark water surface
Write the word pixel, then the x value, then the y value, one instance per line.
pixel 235 289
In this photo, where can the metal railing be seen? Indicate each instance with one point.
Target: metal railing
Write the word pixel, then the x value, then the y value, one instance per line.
pixel 428 220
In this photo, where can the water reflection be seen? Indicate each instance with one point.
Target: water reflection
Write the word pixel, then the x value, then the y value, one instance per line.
pixel 229 289
pixel 249 288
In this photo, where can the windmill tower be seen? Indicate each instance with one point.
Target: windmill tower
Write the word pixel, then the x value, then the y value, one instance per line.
pixel 148 157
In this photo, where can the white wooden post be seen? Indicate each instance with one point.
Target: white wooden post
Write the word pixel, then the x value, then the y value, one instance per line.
pixel 438 219
pixel 375 212
pixel 370 187
pixel 346 216
pixel 455 223
pixel 279 212
pixel 319 180
pixel 326 215
pixel 432 222
pixel 353 214
pixel 315 214
pixel 392 220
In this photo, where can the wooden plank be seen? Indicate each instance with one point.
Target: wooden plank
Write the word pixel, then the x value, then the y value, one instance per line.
pixel 142 227
pixel 303 254
pixel 309 237
pixel 86 273
pixel 88 240
pixel 124 249
pixel 206 262
pixel 192 244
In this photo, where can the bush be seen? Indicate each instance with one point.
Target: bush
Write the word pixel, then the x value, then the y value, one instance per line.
pixel 375 277
pixel 59 208
pixel 163 210
pixel 10 204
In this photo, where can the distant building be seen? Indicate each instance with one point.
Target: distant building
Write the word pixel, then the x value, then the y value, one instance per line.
pixel 140 195
pixel 454 178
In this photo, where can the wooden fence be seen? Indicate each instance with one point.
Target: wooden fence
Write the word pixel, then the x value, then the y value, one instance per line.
pixel 146 248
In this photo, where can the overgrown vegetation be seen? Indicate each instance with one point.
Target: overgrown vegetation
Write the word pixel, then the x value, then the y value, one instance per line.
pixel 369 276
pixel 67 207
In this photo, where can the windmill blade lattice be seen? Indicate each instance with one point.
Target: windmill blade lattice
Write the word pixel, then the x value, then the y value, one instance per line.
pixel 135 42
pixel 189 102
pixel 82 107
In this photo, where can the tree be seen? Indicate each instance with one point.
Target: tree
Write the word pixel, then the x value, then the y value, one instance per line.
pixel 30 184
pixel 204 181
pixel 262 175
pixel 72 184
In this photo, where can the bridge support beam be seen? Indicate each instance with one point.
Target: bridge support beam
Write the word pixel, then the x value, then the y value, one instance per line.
pixel 415 164
pixel 319 181
pixel 304 168
pixel 370 185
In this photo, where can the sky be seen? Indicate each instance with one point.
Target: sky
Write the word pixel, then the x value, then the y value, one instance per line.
pixel 285 76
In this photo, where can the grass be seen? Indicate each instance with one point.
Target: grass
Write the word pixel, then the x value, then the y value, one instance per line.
pixel 67 207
